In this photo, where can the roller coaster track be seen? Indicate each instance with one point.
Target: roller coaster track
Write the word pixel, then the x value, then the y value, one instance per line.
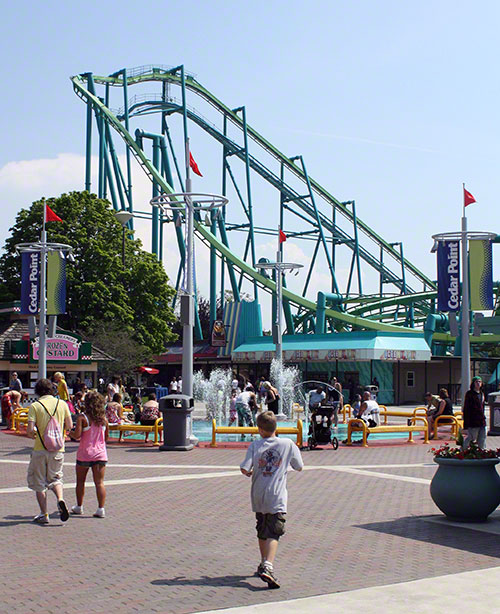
pixel 351 316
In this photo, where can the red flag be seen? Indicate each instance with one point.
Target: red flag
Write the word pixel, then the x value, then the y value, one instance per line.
pixel 50 216
pixel 193 165
pixel 282 236
pixel 468 198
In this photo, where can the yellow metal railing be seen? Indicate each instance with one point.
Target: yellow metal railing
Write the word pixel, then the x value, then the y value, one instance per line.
pixel 253 430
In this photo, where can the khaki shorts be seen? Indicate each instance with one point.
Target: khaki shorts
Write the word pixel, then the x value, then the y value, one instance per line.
pixel 45 470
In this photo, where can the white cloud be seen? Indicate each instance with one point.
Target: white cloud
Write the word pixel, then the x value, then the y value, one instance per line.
pixel 24 181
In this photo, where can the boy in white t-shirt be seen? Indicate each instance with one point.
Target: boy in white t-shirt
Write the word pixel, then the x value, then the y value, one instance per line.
pixel 267 462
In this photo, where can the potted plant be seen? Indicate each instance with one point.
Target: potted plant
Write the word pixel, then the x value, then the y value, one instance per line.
pixel 466 486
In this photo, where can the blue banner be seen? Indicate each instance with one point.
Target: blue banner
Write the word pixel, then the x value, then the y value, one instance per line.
pixel 30 283
pixel 448 268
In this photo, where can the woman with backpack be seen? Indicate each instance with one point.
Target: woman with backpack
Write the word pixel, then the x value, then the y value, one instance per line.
pixel 92 430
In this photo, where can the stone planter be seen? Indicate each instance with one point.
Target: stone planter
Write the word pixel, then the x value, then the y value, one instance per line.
pixel 466 490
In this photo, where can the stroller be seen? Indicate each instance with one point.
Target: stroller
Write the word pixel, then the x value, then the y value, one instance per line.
pixel 320 426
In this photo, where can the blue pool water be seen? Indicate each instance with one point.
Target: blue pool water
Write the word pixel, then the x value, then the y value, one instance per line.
pixel 202 429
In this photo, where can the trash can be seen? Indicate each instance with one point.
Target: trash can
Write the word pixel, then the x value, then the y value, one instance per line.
pixel 176 410
pixel 373 390
pixel 494 403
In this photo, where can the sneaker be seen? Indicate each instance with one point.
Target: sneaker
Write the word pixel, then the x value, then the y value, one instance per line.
pixel 268 576
pixel 260 569
pixel 77 510
pixel 41 519
pixel 100 513
pixel 63 510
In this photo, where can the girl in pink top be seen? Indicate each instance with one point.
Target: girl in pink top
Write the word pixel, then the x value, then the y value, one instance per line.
pixel 92 430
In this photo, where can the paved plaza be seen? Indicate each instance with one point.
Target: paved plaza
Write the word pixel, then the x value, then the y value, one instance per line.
pixel 362 535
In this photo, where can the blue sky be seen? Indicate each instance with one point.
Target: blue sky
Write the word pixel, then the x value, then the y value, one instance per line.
pixel 391 103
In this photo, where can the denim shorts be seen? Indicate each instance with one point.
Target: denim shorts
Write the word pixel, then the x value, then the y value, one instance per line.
pixel 99 463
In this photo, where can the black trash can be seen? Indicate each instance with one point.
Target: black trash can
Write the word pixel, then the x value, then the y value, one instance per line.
pixel 494 403
pixel 176 410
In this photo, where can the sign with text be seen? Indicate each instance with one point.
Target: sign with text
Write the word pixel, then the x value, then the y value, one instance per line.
pixel 448 269
pixel 61 347
pixel 30 283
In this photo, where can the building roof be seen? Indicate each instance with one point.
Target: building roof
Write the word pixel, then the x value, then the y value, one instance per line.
pixel 358 345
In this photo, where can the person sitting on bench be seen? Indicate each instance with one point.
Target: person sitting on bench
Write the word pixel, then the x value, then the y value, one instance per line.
pixel 445 408
pixel 369 411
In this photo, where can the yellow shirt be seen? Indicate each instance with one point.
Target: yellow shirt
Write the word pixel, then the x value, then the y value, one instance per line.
pixel 40 417
pixel 62 390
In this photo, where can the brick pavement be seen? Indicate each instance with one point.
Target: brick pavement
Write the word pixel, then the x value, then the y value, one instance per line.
pixel 189 545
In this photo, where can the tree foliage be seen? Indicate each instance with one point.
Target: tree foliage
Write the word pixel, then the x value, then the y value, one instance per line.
pixel 126 352
pixel 134 298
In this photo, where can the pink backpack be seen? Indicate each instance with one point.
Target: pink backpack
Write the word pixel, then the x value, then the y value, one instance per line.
pixel 53 438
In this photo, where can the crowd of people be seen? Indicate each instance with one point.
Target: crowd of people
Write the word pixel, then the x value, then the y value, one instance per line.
pixel 267 460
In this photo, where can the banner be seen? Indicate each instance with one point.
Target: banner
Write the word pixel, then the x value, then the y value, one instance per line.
pixel 56 284
pixel 448 266
pixel 481 275
pixel 30 283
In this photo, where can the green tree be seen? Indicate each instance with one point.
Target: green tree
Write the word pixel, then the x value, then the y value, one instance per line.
pixel 127 353
pixel 100 290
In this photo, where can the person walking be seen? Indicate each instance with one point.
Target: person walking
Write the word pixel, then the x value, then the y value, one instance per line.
pixel 267 462
pixel 92 430
pixel 47 417
pixel 474 418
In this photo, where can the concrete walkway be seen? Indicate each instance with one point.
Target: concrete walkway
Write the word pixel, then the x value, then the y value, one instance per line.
pixel 452 593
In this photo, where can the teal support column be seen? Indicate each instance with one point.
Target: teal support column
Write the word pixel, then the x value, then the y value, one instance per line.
pixel 157 139
pixel 318 222
pixel 156 191
pixel 249 196
pixel 88 144
pixel 334 300
pixel 100 123
pixel 129 169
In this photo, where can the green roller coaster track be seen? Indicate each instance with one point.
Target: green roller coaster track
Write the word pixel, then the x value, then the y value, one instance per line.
pixel 398 312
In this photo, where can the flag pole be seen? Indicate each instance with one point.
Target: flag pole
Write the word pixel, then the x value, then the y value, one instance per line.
pixel 465 322
pixel 42 327
pixel 279 340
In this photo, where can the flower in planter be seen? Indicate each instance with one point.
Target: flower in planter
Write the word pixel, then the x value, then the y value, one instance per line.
pixel 472 452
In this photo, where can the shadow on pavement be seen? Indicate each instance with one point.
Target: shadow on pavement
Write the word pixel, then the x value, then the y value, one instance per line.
pixel 25 451
pixel 233 581
pixel 460 538
pixel 12 521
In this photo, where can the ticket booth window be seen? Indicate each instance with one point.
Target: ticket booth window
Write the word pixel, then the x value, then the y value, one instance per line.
pixel 410 379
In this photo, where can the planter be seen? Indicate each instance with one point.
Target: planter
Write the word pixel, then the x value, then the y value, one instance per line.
pixel 466 490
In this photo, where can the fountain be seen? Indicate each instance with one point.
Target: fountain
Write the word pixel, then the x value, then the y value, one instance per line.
pixel 215 392
pixel 285 380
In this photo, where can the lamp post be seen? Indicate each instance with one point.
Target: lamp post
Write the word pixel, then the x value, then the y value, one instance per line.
pixel 124 218
pixel 188 202
pixel 463 237
pixel 281 268
pixel 43 248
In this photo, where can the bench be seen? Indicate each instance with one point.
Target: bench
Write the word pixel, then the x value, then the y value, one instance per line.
pixel 456 422
pixel 355 425
pixel 253 430
pixel 155 428
pixel 20 416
